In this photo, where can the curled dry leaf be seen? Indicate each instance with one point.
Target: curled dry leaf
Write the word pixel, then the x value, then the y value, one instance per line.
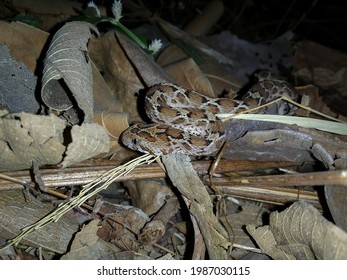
pixel 67 70
pixel 303 232
pixel 114 123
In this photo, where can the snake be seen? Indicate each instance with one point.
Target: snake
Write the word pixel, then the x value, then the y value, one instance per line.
pixel 185 121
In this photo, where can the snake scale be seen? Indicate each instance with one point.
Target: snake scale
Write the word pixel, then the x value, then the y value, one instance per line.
pixel 185 121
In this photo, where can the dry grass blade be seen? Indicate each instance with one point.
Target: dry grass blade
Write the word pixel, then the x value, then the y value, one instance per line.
pixel 333 126
pixel 328 126
pixel 87 192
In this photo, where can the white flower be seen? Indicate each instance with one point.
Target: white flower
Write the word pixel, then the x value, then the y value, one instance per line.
pixel 117 10
pixel 91 4
pixel 155 45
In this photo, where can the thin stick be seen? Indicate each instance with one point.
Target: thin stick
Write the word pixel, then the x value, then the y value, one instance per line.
pixel 336 177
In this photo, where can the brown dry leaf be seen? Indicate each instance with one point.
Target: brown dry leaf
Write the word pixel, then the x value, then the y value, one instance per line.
pixel 88 246
pixel 336 197
pixel 114 123
pixel 250 214
pixel 52 13
pixel 118 72
pixel 325 68
pixel 121 225
pixel 210 77
pixel 188 74
pixel 197 199
pixel 266 241
pixel 17 213
pixel 303 232
pixel 67 64
pixel 23 36
pixel 148 195
pixel 17 85
pixel 322 66
pixel 88 140
pixel 25 138
pixel 124 66
pixel 256 140
pixel 177 34
pixel 103 96
pixel 24 41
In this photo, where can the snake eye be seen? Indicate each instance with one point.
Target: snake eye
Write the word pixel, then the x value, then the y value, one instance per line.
pixel 134 142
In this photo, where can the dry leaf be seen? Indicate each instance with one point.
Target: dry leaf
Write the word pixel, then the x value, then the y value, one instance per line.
pixel 266 241
pixel 117 70
pixel 188 74
pixel 17 213
pixel 67 65
pixel 148 195
pixel 88 246
pixel 303 232
pixel 24 41
pixel 336 197
pixel 25 138
pixel 322 66
pixel 114 123
pixel 88 140
pixel 17 85
pixel 124 66
pixel 103 96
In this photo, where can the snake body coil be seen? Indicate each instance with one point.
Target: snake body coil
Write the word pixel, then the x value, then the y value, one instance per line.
pixel 185 121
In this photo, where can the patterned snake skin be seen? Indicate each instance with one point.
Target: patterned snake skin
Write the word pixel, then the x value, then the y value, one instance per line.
pixel 185 122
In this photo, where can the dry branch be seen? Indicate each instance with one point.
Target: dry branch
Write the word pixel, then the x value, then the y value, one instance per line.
pixel 72 176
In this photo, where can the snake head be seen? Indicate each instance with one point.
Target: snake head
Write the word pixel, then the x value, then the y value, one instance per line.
pixel 144 138
pixel 130 139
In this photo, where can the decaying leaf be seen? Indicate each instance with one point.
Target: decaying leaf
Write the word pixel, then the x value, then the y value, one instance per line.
pixel 88 140
pixel 121 225
pixel 124 66
pixel 322 66
pixel 17 85
pixel 17 213
pixel 336 197
pixel 303 232
pixel 67 73
pixel 24 41
pixel 114 123
pixel 148 195
pixel 187 73
pixel 266 241
pixel 235 223
pixel 88 246
pixel 25 138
